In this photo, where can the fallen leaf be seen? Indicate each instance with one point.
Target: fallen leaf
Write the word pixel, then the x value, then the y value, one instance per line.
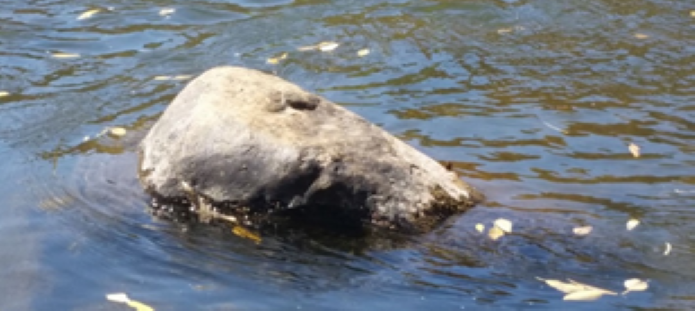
pixel 123 298
pixel 502 31
pixel 632 223
pixel 328 46
pixel 363 52
pixel 139 306
pixel 504 224
pixel 166 11
pixel 574 286
pixel 4 93
pixel 594 288
pixel 635 285
pixel 562 286
pixel 634 149
pixel 65 55
pixel 117 131
pixel 276 60
pixel 582 230
pixel 668 249
pixel 495 233
pixel 118 297
pixel 641 36
pixel 480 228
pixel 587 295
pixel 181 77
pixel 88 14
pixel 163 78
pixel 692 13
pixel 245 233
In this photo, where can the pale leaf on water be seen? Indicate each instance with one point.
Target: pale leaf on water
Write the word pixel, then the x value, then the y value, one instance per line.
pixel 495 233
pixel 634 149
pixel 118 297
pixel 635 285
pixel 123 298
pixel 328 46
pixel 65 55
pixel 692 13
pixel 163 78
pixel 573 286
pixel 166 11
pixel 363 52
pixel 502 31
pixel 139 306
pixel 504 224
pixel 307 48
pixel 562 286
pixel 480 228
pixel 587 295
pixel 182 77
pixel 641 36
pixel 631 224
pixel 4 93
pixel 582 230
pixel 668 249
pixel 88 14
pixel 117 131
pixel 592 288
pixel 276 60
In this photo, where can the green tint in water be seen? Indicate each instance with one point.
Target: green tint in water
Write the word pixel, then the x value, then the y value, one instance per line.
pixel 534 101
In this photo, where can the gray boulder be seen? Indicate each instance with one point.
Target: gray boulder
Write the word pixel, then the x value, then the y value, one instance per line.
pixel 241 142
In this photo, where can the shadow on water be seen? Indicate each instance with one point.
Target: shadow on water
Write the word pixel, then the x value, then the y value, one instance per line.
pixel 534 102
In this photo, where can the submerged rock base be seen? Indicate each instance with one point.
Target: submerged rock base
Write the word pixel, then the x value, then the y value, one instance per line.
pixel 240 143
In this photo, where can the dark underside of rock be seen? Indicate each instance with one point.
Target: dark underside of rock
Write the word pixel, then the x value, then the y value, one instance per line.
pixel 238 143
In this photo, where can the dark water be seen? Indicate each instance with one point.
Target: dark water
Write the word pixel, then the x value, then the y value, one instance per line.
pixel 535 102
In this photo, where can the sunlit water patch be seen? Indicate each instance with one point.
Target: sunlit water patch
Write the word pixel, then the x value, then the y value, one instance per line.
pixel 536 103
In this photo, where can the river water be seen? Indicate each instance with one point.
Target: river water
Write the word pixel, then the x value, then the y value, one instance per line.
pixel 533 101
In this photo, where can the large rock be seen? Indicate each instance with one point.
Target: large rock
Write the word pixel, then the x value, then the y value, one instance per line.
pixel 244 141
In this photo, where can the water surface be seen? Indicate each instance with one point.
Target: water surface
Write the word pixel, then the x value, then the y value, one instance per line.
pixel 534 101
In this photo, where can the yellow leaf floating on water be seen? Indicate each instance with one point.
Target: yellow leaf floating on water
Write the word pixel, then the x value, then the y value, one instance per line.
pixel 582 230
pixel 692 13
pixel 123 298
pixel 495 233
pixel 4 93
pixel 276 60
pixel 363 52
pixel 65 55
pixel 245 233
pixel 88 14
pixel 641 36
pixel 634 149
pixel 576 291
pixel 631 224
pixel 117 131
pixel 562 286
pixel 166 11
pixel 586 287
pixel 635 285
pixel 328 46
pixel 325 46
pixel 480 228
pixel 502 31
pixel 173 78
pixel 587 295
pixel 504 224
pixel 668 249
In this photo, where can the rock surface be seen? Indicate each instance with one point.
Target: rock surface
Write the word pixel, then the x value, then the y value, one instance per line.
pixel 241 141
